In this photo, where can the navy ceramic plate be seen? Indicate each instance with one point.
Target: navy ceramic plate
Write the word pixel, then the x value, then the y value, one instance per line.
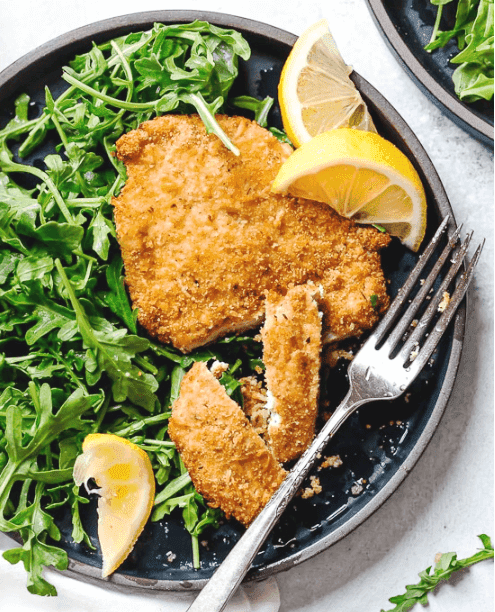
pixel 407 26
pixel 378 446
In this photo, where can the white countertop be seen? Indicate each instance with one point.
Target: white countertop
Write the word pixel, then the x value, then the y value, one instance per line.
pixel 447 500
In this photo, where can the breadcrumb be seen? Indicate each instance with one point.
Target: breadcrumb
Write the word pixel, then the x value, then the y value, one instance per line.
pixel 445 301
pixel 312 490
pixel 333 461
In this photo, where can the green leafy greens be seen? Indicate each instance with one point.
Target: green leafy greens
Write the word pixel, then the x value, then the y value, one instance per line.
pixel 447 564
pixel 473 28
pixel 73 360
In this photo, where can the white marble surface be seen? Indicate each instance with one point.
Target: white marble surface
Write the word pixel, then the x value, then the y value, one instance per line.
pixel 448 498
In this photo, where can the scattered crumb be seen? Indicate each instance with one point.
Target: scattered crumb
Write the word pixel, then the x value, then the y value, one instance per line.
pixel 445 302
pixel 217 368
pixel 333 461
pixel 407 398
pixel 332 355
pixel 314 489
pixel 357 488
pixel 170 556
pixel 414 323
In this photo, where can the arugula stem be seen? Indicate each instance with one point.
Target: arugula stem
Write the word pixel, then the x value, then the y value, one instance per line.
pixel 195 99
pixel 68 369
pixel 85 256
pixel 6 481
pixel 209 120
pixel 436 26
pixel 85 202
pixel 17 131
pixel 130 106
pixel 10 166
pixel 173 487
pixel 60 131
pixel 101 415
pixel 138 425
pixel 144 364
pixel 195 551
pixel 166 443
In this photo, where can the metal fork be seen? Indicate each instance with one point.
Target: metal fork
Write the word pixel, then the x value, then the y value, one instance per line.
pixel 381 370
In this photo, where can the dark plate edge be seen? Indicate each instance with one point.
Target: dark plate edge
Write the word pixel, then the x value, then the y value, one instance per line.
pixel 83 571
pixel 444 99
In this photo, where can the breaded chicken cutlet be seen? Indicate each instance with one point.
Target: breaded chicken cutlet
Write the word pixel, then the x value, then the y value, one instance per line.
pixel 203 238
pixel 291 353
pixel 228 462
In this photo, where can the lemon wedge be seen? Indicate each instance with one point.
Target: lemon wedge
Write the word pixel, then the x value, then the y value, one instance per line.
pixel 362 176
pixel 126 485
pixel 315 92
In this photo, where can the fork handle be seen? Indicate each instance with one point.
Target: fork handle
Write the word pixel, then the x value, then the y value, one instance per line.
pixel 224 582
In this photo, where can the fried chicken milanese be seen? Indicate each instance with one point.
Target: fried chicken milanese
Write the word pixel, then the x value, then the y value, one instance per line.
pixel 291 354
pixel 227 460
pixel 203 238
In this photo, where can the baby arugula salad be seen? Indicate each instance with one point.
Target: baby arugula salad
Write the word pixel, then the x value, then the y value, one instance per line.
pixel 73 360
pixel 473 31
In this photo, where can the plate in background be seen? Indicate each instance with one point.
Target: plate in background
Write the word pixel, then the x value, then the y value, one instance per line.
pixel 377 451
pixel 407 26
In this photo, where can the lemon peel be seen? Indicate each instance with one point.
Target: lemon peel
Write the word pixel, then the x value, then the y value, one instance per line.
pixel 126 486
pixel 363 177
pixel 315 92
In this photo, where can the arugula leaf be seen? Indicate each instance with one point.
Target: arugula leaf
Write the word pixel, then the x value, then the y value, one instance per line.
pixel 112 352
pixel 116 299
pixel 446 565
pixel 71 326
pixel 35 527
pixel 46 427
pixel 474 29
pixel 261 108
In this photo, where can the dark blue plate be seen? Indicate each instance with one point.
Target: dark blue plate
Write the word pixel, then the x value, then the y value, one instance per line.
pixel 407 26
pixel 379 445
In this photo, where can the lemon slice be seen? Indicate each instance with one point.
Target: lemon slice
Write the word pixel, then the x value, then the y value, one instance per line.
pixel 126 485
pixel 315 92
pixel 362 176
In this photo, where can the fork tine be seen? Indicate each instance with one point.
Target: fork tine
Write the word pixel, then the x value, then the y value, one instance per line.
pixel 429 346
pixel 394 309
pixel 406 319
pixel 429 313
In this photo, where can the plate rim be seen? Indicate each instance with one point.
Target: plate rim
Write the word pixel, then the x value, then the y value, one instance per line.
pixel 442 97
pixel 79 570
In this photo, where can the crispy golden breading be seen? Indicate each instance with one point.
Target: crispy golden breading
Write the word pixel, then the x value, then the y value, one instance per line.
pixel 291 354
pixel 228 462
pixel 254 400
pixel 203 238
